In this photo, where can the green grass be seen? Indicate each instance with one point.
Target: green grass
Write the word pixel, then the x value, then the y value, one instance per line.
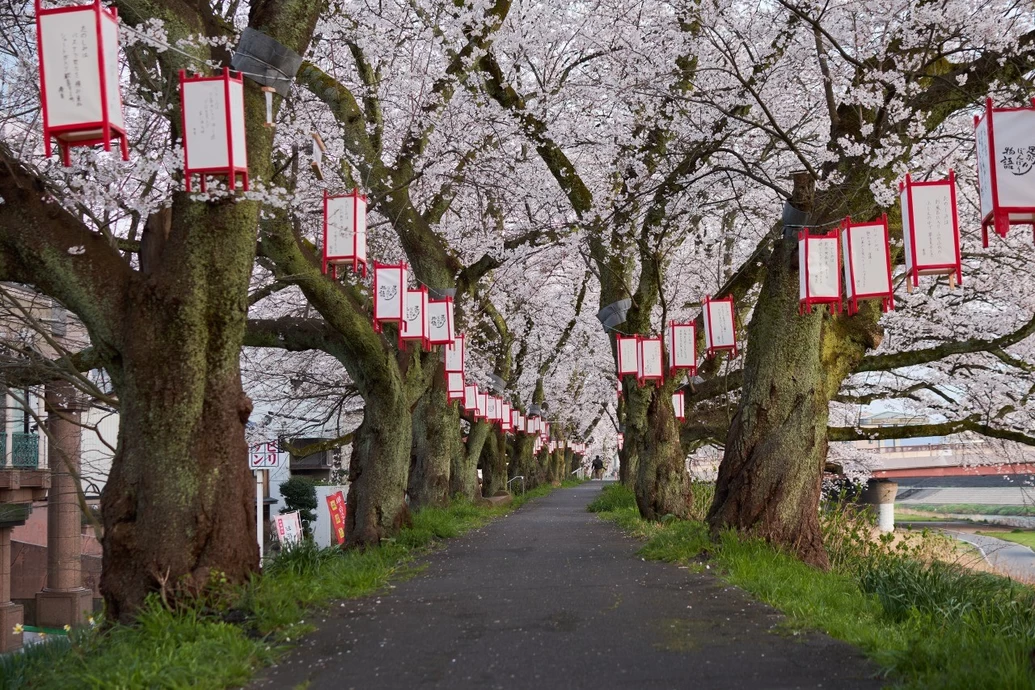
pixel 1023 537
pixel 224 634
pixel 927 625
pixel 971 509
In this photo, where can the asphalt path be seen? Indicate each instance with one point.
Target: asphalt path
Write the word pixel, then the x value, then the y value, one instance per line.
pixel 1007 557
pixel 552 597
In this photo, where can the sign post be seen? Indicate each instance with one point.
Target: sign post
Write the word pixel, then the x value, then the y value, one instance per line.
pixel 263 456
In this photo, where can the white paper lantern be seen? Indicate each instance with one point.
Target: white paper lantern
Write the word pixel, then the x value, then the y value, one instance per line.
pixel 931 230
pixel 649 363
pixel 78 50
pixel 1006 167
pixel 819 271
pixel 679 405
pixel 515 420
pixel 213 128
pixel 344 232
pixel 483 405
pixel 867 263
pixel 490 408
pixel 454 386
pixel 627 354
pixel 389 288
pixel 506 423
pixel 440 321
pixel 720 332
pixel 471 398
pixel 455 355
pixel 682 347
pixel 415 317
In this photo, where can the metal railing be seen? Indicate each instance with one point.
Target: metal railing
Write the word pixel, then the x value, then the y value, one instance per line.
pixel 25 450
pixel 515 478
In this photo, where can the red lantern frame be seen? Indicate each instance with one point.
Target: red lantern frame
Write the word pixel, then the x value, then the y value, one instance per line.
pixel 626 367
pixel 915 269
pixel 454 386
pixel 641 358
pixel 998 216
pixel 450 334
pixel 674 362
pixel 407 333
pixel 392 317
pixel 709 331
pixel 357 257
pixel 232 167
pixel 454 360
pixel 806 300
pixel 89 133
pixel 887 296
pixel 679 405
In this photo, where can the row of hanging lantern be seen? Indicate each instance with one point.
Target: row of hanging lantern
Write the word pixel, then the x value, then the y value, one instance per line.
pixel 861 251
pixel 643 356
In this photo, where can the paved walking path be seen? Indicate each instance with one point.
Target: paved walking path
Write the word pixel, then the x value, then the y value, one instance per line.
pixel 552 597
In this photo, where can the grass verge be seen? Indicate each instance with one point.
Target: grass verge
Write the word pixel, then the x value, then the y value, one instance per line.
pixel 928 625
pixel 972 509
pixel 219 636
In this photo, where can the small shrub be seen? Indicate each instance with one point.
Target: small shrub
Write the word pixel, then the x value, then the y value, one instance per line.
pixel 300 494
pixel 613 498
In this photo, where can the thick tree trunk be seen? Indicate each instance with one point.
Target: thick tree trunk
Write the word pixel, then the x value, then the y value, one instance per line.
pixel 771 472
pixel 378 469
pixel 463 477
pixel 436 445
pixel 524 461
pixel 179 501
pixel 494 463
pixel 661 482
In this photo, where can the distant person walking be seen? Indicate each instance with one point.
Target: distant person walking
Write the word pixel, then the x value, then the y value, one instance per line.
pixel 598 468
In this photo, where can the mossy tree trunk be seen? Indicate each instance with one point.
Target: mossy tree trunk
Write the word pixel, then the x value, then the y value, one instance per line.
pixel 463 477
pixel 494 462
pixel 178 504
pixel 436 443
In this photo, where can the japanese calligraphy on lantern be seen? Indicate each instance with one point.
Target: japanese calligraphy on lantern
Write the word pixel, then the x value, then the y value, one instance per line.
pixel 415 315
pixel 454 386
pixel 471 398
pixel 1005 139
pixel 440 321
pixel 345 229
pixel 682 352
pixel 649 364
pixel 389 285
pixel 455 355
pixel 929 225
pixel 867 270
pixel 72 83
pixel 818 275
pixel 626 355
pixel 719 329
pixel 337 508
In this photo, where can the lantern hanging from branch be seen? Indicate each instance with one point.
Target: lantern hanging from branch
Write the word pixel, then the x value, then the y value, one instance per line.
pixel 213 128
pixel 867 263
pixel 483 405
pixel 930 230
pixel 819 271
pixel 682 347
pixel 344 232
pixel 455 355
pixel 1006 167
pixel 720 332
pixel 454 386
pixel 679 405
pixel 389 288
pixel 440 321
pixel 506 422
pixel 78 50
pixel 471 398
pixel 627 354
pixel 649 364
pixel 415 316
